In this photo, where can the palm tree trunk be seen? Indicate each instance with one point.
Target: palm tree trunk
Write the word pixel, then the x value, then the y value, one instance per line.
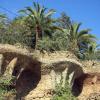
pixel 36 40
pixel 38 35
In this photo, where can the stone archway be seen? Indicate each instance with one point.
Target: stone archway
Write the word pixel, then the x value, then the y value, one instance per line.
pixel 12 63
pixel 32 74
pixel 64 69
pixel 69 68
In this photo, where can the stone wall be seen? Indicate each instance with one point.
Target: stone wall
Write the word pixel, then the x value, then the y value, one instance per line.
pixel 38 73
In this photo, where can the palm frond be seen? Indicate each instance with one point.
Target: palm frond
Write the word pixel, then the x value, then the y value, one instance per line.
pixel 83 32
pixel 50 12
pixel 75 29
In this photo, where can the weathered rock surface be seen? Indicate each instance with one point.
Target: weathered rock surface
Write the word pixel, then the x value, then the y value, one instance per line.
pixel 41 71
pixel 87 84
pixel 94 96
pixel 10 48
pixel 45 72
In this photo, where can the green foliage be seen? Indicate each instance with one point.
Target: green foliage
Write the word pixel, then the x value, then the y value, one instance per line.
pixel 64 21
pixel 91 52
pixel 37 29
pixel 40 20
pixel 63 93
pixel 57 42
pixel 78 40
pixel 98 54
pixel 45 44
pixel 15 38
pixel 5 87
pixel 15 31
pixel 2 20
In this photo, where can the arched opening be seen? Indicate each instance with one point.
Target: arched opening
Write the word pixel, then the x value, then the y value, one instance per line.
pixel 29 78
pixel 87 79
pixel 26 82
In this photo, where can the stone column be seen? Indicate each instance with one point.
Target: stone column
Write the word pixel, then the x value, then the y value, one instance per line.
pixel 64 74
pixel 53 79
pixel 1 61
pixel 10 67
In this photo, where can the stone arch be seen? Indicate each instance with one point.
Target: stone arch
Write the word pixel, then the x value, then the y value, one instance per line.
pixel 68 68
pixel 31 72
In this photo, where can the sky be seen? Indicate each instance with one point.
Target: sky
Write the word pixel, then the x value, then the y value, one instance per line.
pixel 85 11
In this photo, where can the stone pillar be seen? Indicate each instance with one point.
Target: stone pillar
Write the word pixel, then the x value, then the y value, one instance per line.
pixel 71 79
pixel 53 79
pixel 10 67
pixel 1 61
pixel 64 75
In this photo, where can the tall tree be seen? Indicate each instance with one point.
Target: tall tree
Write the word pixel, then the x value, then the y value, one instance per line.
pixel 40 20
pixel 79 39
pixel 91 52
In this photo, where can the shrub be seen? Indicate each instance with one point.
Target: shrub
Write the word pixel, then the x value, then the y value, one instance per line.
pixel 63 93
pixel 6 88
pixel 57 42
pixel 15 38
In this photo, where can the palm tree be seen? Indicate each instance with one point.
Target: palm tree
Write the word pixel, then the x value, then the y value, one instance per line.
pixel 79 39
pixel 40 20
pixel 91 52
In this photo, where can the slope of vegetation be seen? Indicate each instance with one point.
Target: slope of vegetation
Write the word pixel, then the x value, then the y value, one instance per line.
pixel 36 28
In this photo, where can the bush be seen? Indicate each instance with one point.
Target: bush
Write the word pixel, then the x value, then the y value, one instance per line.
pixel 6 88
pixel 58 42
pixel 63 93
pixel 15 38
